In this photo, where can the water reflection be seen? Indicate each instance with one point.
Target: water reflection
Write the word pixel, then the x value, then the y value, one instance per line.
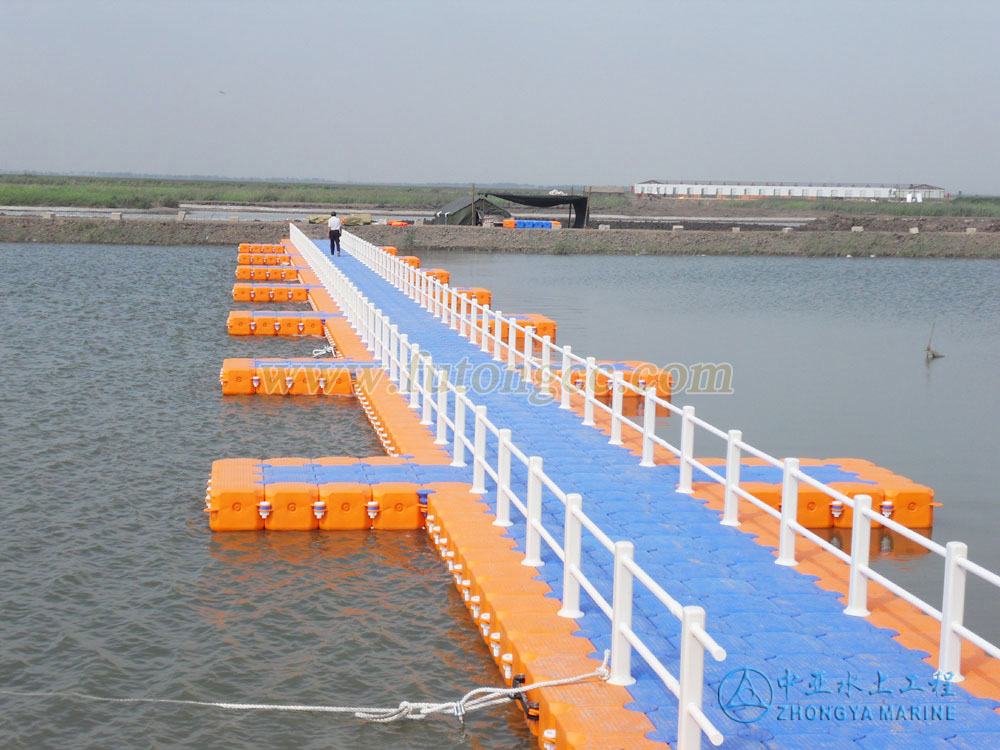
pixel 885 543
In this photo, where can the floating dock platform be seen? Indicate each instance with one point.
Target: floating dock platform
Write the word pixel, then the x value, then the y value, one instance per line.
pixel 571 529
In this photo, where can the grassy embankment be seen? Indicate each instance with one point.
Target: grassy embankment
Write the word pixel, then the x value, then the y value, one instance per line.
pixel 142 193
pixel 137 193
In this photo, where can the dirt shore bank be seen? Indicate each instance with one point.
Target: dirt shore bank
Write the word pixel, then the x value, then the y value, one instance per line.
pixel 940 244
pixel 655 242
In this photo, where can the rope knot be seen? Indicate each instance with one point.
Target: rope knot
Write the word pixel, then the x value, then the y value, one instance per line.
pixel 603 671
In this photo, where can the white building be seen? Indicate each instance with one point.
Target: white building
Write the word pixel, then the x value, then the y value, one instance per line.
pixel 807 190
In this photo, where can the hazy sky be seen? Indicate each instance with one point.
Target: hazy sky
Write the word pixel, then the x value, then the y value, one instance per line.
pixel 536 92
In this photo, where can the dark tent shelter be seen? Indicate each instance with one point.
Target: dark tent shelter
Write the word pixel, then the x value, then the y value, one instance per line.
pixel 578 202
pixel 459 211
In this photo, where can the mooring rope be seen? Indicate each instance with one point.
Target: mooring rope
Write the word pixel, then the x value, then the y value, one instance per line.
pixel 474 700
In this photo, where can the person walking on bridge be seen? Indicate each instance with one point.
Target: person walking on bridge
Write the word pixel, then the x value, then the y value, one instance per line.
pixel 335 225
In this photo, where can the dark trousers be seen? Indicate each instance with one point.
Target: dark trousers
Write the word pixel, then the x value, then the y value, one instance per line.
pixel 334 241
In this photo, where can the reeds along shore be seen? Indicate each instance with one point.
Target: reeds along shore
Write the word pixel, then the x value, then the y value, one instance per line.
pixel 413 239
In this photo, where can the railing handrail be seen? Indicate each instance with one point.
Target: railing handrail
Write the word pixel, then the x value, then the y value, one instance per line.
pixel 372 326
pixel 950 618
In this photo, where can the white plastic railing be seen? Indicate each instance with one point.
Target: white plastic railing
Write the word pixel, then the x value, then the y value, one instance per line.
pixel 428 389
pixel 471 320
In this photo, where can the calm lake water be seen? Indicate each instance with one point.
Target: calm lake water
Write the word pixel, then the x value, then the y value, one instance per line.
pixel 113 584
pixel 111 416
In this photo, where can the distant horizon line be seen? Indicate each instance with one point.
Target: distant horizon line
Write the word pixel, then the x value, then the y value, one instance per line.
pixel 447 184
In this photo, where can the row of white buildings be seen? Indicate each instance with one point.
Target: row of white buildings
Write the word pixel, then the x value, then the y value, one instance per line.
pixel 807 190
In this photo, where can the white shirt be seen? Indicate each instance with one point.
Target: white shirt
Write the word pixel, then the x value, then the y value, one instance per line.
pixel 335 223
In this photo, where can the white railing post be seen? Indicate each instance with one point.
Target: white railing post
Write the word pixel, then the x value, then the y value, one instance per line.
pixel 789 512
pixel 436 291
pixel 648 426
pixel 458 449
pixel 687 450
pixel 414 376
pixel 370 325
pixel 464 316
pixel 571 557
pixel 377 335
pixel 503 480
pixel 952 612
pixel 511 344
pixel 731 503
pixel 479 451
pixel 588 392
pixel 564 378
pixel 621 617
pixel 861 539
pixel 617 392
pixel 529 348
pixel 473 321
pixel 532 539
pixel 425 418
pixel 362 326
pixel 386 348
pixel 442 408
pixel 394 353
pixel 404 363
pixel 484 334
pixel 454 309
pixel 691 680
pixel 497 336
pixel 546 363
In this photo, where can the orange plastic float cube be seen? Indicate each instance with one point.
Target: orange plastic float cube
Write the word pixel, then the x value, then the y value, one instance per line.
pixel 237 377
pixel 439 273
pixel 344 505
pixel 334 382
pixel 912 504
pixel 272 379
pixel 477 293
pixel 311 325
pixel 291 506
pixel 814 511
pixel 411 260
pixel 238 323
pixel 234 495
pixel 242 292
pixel 543 326
pixel 398 506
pixel 264 324
pixel 288 461
pixel 390 250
